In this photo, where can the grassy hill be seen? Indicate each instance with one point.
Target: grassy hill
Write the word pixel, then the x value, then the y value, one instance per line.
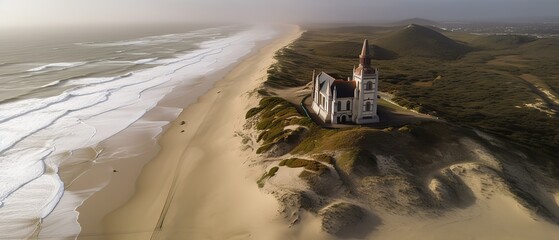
pixel 419 41
pixel 499 107
pixel 502 41
pixel 482 89
pixel 350 49
pixel 498 110
pixel 545 49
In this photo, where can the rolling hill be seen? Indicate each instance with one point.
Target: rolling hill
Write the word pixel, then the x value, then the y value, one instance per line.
pixel 502 41
pixel 420 41
pixel 351 49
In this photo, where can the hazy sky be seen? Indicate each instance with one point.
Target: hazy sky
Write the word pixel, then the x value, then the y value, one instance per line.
pixel 45 12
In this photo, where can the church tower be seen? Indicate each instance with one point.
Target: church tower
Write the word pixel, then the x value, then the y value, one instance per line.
pixel 366 91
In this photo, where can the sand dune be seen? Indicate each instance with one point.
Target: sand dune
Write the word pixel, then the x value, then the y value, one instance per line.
pixel 471 188
pixel 494 213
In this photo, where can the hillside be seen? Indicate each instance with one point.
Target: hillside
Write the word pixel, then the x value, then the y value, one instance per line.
pixel 545 49
pixel 490 157
pixel 347 49
pixel 354 179
pixel 420 41
pixel 502 41
pixel 485 89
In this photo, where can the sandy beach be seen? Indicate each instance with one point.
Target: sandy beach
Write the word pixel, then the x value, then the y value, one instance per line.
pixel 198 185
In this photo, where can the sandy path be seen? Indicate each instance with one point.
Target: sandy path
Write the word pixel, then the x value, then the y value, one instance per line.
pixel 544 90
pixel 549 98
pixel 198 187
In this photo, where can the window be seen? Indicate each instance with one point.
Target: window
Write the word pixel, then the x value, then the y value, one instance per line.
pixel 369 86
pixel 348 105
pixel 323 101
pixel 368 106
pixel 339 106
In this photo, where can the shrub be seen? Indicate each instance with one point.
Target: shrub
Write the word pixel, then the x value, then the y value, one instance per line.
pixel 266 176
pixel 324 158
pixel 252 112
pixel 303 163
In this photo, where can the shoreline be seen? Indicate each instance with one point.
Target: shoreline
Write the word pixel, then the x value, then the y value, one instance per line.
pixel 138 217
pixel 122 184
pixel 105 127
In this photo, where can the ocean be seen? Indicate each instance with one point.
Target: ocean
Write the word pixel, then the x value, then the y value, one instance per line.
pixel 66 93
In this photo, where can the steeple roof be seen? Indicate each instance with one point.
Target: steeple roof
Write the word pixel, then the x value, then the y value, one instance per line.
pixel 365 60
pixel 365 51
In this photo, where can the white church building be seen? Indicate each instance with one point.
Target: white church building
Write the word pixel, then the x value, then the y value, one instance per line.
pixel 348 101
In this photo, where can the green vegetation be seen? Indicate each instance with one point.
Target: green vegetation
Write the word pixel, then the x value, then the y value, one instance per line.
pixel 502 41
pixel 479 82
pixel 421 41
pixel 264 92
pixel 358 161
pixel 326 140
pixel 416 145
pixel 324 158
pixel 274 115
pixel 266 176
pixel 458 82
pixel 303 163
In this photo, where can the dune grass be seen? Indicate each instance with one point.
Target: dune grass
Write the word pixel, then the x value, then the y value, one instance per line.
pixel 303 163
pixel 273 115
pixel 261 182
pixel 357 161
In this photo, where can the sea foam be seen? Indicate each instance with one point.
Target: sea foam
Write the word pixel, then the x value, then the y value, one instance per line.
pixel 61 65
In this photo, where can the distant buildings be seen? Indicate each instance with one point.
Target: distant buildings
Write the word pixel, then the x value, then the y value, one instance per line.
pixel 348 101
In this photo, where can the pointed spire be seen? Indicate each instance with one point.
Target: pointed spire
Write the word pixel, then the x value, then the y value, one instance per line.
pixel 365 50
pixel 365 57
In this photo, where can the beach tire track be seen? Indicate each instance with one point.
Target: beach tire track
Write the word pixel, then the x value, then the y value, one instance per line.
pixel 177 173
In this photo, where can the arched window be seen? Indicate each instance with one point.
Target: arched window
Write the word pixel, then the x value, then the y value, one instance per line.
pixel 368 106
pixel 339 106
pixel 369 86
pixel 348 105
